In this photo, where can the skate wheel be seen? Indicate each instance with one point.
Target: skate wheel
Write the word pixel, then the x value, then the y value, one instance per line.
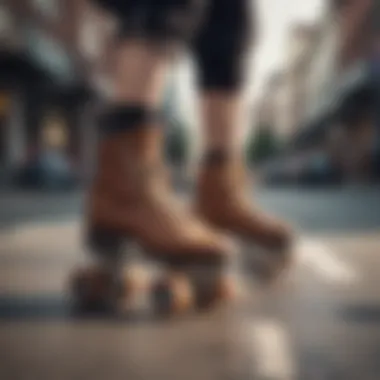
pixel 173 295
pixel 282 269
pixel 221 290
pixel 276 269
pixel 97 289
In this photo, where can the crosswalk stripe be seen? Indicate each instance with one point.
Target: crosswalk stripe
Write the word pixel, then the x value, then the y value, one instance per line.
pixel 272 354
pixel 323 261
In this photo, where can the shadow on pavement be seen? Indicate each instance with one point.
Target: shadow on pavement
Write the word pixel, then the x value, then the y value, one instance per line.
pixel 59 308
pixel 362 314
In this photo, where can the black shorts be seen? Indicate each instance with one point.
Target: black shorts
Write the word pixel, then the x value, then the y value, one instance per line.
pixel 217 31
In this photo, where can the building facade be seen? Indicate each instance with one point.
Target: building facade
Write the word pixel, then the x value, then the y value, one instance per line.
pixel 292 89
pixel 51 59
pixel 322 68
pixel 267 105
pixel 357 29
pixel 340 102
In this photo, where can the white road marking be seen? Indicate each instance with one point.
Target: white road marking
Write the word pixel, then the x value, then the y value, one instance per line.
pixel 273 354
pixel 321 259
pixel 272 351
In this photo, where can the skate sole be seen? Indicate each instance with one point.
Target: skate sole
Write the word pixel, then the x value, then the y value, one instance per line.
pixel 269 266
pixel 168 293
pixel 181 285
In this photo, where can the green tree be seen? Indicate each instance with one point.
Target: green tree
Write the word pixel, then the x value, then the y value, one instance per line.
pixel 177 143
pixel 262 145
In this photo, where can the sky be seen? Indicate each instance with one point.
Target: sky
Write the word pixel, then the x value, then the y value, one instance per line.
pixel 274 19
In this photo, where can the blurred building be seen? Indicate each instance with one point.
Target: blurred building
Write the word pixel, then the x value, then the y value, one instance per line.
pixel 321 69
pixel 282 104
pixel 355 29
pixel 284 99
pixel 51 59
pixel 301 48
pixel 267 105
pixel 357 22
pixel 339 106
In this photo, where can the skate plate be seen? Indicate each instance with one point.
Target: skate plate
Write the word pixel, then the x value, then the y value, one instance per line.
pixel 140 290
pixel 268 267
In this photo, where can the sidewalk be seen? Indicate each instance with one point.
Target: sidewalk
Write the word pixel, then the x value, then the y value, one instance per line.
pixel 20 206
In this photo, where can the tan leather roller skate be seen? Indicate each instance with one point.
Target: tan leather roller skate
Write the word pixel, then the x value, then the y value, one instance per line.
pixel 130 202
pixel 223 200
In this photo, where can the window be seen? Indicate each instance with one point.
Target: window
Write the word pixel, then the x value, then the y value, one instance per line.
pixel 5 20
pixel 376 17
pixel 89 38
pixel 49 8
pixel 340 4
pixel 48 53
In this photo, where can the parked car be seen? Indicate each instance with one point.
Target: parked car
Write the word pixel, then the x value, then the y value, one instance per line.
pixel 49 170
pixel 281 172
pixel 317 171
pixel 308 170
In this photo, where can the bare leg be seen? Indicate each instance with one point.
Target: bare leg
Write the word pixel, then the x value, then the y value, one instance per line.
pixel 220 115
pixel 130 197
pixel 139 73
pixel 130 194
pixel 223 196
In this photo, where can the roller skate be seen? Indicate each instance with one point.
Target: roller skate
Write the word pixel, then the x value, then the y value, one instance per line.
pixel 130 205
pixel 222 199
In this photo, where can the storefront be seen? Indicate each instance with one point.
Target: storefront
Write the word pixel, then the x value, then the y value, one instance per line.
pixel 345 125
pixel 5 104
pixel 375 79
pixel 41 99
pixel 357 115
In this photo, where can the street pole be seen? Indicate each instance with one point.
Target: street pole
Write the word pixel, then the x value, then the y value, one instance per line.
pixel 15 133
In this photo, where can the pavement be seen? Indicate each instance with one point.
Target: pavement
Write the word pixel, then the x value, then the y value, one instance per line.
pixel 322 323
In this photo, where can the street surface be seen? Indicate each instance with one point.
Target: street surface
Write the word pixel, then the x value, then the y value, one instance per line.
pixel 323 323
